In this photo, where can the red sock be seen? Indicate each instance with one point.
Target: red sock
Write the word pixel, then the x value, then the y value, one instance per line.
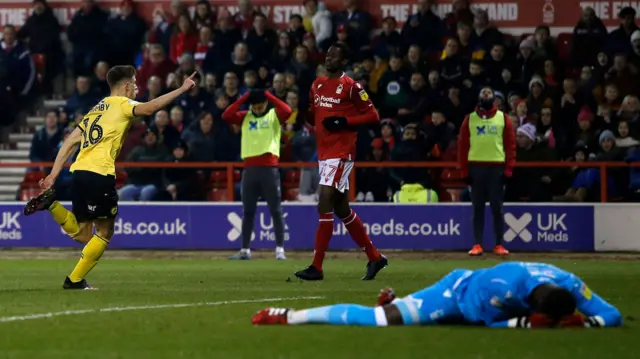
pixel 359 235
pixel 323 236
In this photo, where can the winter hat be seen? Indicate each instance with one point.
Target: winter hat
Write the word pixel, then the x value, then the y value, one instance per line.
pixel 635 36
pixel 606 135
pixel 536 80
pixel 498 94
pixel 585 115
pixel 527 43
pixel 528 130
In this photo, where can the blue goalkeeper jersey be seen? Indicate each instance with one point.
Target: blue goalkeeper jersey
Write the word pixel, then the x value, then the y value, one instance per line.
pixel 494 295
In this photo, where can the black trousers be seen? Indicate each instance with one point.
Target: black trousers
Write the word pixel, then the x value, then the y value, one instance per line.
pixel 261 182
pixel 487 185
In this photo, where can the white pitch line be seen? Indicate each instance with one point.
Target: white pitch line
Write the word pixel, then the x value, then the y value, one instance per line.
pixel 18 318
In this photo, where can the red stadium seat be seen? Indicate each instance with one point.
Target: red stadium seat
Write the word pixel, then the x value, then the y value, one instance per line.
pixel 219 178
pixel 451 175
pixel 291 194
pixel 451 153
pixel 27 193
pixel 217 195
pixel 33 177
pixel 563 43
pixel 237 176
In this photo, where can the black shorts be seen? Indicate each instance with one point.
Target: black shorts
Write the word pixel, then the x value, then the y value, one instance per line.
pixel 94 196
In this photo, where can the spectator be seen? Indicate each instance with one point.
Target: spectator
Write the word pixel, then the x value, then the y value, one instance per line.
pixel 279 86
pixel 466 44
pixel 225 38
pixel 460 13
pixel 124 34
pixel 499 101
pixel 304 71
pixel 283 52
pixel 206 145
pixel 296 29
pixel 358 23
pixel 544 45
pixel 134 138
pixel 99 80
pixel 452 65
pixel 250 81
pixel 417 103
pixel 45 141
pixel 179 181
pixel 303 146
pixel 86 33
pixel 453 108
pixel 241 60
pixel 495 63
pixel 433 90
pixel 410 149
pixel 261 39
pixel 204 16
pixel 317 21
pixel 177 118
pixel 620 39
pixel 623 75
pixel 550 76
pixel 315 55
pixel 164 23
pixel 526 64
pixel 184 39
pixel 389 40
pixel 42 32
pixel 439 131
pixel 624 139
pixel 610 105
pixel 20 70
pixel 530 183
pixel 415 62
pixel 424 28
pixel 83 99
pixel 589 36
pixel 154 89
pixel 204 44
pixel 157 64
pixel 374 183
pixel 393 85
pixel 194 102
pixel 297 118
pixel 487 36
pixel 167 134
pixel 342 35
pixel 210 83
pixel 586 133
pixel 545 134
pixel 477 79
pixel 143 183
pixel 230 87
pixel 388 133
pixel 537 97
pixel 244 19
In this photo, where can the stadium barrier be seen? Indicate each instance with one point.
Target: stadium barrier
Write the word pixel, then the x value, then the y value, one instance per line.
pixel 451 177
pixel 440 227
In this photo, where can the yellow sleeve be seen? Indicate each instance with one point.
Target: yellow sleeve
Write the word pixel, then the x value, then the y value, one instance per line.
pixel 128 108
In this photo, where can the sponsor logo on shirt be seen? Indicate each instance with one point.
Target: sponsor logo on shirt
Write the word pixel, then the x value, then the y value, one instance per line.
pixel 324 101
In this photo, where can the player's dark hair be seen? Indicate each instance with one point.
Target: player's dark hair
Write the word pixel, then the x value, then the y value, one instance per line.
pixel 9 26
pixel 118 74
pixel 552 300
pixel 344 50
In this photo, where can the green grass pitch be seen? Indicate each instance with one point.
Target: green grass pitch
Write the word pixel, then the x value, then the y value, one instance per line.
pixel 108 324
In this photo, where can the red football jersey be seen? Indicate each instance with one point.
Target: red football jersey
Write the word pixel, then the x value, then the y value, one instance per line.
pixel 337 97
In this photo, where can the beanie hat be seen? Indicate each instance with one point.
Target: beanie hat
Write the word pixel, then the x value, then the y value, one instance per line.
pixel 536 80
pixel 585 115
pixel 635 36
pixel 527 43
pixel 606 135
pixel 528 130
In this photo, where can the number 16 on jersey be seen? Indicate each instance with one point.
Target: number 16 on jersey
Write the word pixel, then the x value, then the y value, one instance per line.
pixel 91 134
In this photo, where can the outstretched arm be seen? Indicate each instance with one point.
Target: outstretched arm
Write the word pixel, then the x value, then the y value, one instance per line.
pixel 149 108
pixel 598 312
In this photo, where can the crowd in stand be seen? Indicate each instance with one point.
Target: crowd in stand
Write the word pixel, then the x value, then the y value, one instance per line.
pixel 423 77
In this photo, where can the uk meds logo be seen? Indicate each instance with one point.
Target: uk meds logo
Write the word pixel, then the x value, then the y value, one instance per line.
pixel 10 229
pixel 549 227
pixel 518 227
pixel 236 227
pixel 265 229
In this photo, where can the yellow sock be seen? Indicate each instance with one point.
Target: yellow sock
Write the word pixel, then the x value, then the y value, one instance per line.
pixel 90 256
pixel 65 219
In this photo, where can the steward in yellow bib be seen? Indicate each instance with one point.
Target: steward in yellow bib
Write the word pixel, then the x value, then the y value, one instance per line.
pixel 487 155
pixel 415 193
pixel 260 150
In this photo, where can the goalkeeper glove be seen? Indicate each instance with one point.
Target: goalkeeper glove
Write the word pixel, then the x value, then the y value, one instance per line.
pixel 575 320
pixel 335 123
pixel 386 296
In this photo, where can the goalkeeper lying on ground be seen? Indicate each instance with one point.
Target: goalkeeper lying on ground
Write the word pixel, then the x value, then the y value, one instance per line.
pixel 508 295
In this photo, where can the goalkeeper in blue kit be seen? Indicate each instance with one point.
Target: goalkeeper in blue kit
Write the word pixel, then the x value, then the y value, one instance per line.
pixel 508 295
